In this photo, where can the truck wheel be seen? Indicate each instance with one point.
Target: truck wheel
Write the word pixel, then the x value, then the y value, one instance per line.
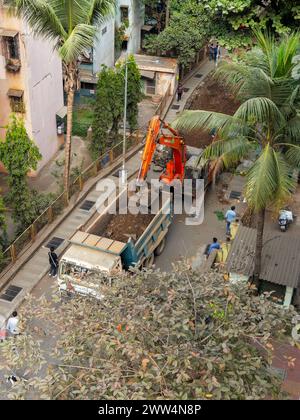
pixel 159 250
pixel 148 263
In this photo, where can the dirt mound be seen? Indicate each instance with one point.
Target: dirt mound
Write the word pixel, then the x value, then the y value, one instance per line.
pixel 123 226
pixel 211 95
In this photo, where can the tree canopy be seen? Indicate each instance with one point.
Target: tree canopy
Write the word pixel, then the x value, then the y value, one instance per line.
pixel 109 104
pixel 178 335
pixel 185 35
pixel 20 155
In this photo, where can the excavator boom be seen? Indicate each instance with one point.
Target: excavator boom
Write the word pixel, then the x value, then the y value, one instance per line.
pixel 175 168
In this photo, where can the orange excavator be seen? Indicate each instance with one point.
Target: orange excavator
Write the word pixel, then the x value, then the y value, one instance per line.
pixel 175 167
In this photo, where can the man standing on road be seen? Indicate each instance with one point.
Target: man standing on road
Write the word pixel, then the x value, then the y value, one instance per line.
pixel 53 261
pixel 230 217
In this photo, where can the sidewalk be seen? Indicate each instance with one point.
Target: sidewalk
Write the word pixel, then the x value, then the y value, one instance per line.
pixel 189 85
pixel 31 272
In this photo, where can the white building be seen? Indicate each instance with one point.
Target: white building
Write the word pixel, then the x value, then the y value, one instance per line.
pixel 129 13
pixel 30 84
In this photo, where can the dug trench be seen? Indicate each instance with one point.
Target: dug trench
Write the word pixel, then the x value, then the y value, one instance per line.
pixel 211 95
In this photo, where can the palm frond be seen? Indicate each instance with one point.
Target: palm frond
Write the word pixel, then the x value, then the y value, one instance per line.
pixel 293 154
pixel 40 16
pixel 269 180
pixel 285 53
pixel 81 38
pixel 100 10
pixel 260 110
pixel 286 183
pixel 292 129
pixel 203 120
pixel 232 149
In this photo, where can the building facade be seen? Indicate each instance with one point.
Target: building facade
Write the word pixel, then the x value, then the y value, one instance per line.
pixel 129 15
pixel 31 84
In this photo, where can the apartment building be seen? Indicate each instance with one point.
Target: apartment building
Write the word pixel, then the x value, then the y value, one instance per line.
pixel 129 15
pixel 31 85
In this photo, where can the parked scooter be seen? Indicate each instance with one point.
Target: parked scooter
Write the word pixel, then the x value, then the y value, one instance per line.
pixel 285 219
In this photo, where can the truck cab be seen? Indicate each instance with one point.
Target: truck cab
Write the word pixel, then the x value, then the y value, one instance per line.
pixel 86 268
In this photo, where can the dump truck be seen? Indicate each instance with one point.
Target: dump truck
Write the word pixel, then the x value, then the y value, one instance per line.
pixel 95 254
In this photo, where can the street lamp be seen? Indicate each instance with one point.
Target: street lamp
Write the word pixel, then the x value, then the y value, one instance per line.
pixel 123 171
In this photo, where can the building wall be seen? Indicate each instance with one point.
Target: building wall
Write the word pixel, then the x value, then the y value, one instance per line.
pixel 136 21
pixel 44 94
pixel 162 82
pixel 40 77
pixel 104 47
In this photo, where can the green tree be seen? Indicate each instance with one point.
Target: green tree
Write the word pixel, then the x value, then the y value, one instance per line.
pixel 72 26
pixel 108 110
pixel 187 32
pixel 109 104
pixel 180 335
pixel 19 155
pixel 234 19
pixel 268 120
pixel 134 91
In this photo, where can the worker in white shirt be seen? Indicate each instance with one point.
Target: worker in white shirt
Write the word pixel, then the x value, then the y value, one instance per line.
pixel 12 324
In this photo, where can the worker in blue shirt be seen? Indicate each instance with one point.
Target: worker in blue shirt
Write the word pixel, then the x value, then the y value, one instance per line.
pixel 230 217
pixel 215 245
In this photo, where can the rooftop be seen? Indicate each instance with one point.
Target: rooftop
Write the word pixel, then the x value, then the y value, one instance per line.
pixel 153 63
pixel 280 257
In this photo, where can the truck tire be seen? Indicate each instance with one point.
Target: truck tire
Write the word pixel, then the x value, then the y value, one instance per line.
pixel 148 263
pixel 159 250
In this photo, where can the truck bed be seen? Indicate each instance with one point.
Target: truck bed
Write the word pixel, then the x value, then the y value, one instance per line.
pixel 121 227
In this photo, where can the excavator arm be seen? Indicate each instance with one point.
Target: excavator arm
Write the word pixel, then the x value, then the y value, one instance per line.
pixel 175 168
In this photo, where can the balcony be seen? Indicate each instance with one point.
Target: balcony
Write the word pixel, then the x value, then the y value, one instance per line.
pixel 13 65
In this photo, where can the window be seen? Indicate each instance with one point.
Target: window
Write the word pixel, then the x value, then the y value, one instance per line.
pixel 150 87
pixel 88 86
pixel 124 10
pixel 104 30
pixel 16 100
pixel 11 47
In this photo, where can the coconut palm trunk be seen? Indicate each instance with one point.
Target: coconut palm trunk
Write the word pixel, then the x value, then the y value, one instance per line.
pixel 259 246
pixel 72 26
pixel 68 144
pixel 71 82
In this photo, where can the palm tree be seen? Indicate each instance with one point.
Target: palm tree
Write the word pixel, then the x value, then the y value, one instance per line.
pixel 72 25
pixel 268 120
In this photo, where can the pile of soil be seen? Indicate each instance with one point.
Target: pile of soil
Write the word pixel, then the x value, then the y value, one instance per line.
pixel 211 95
pixel 123 226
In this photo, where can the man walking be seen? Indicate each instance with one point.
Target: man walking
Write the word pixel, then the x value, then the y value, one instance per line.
pixel 211 51
pixel 53 261
pixel 230 218
pixel 179 92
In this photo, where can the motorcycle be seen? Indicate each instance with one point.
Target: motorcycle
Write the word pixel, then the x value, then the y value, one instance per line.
pixel 285 219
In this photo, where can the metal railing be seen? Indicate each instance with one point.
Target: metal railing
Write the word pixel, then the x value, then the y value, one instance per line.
pixel 15 250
